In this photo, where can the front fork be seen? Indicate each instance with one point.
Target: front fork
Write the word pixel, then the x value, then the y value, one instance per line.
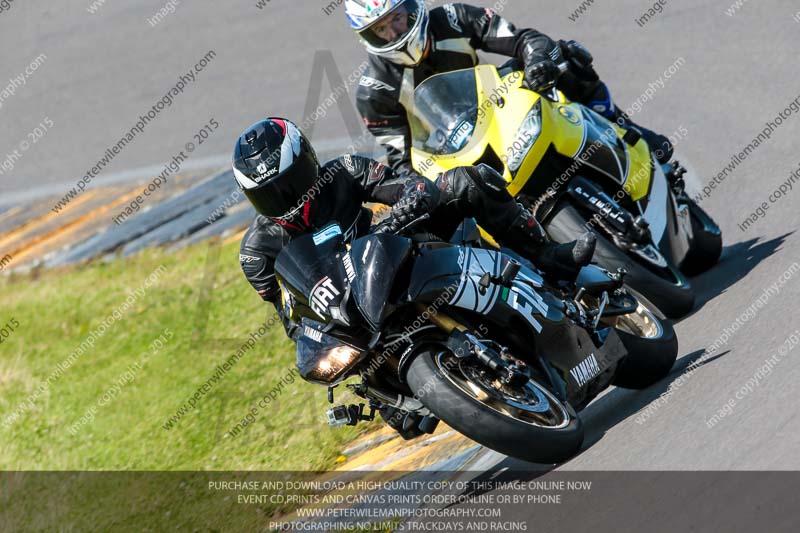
pixel 509 369
pixel 623 227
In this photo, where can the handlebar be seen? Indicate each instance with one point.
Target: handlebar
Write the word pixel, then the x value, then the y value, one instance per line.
pixel 550 92
pixel 387 228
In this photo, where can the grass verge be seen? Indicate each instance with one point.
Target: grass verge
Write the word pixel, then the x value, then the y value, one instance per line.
pixel 68 405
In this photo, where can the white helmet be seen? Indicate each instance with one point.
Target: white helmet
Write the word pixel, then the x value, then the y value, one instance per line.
pixel 396 30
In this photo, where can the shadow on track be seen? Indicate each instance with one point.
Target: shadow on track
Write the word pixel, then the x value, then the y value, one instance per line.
pixel 601 415
pixel 736 263
pixel 619 404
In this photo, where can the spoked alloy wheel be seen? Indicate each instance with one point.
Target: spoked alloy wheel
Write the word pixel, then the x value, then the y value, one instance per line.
pixel 651 343
pixel 530 403
pixel 524 421
pixel 643 323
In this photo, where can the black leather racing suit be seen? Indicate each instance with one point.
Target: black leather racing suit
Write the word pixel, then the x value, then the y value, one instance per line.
pixel 349 181
pixel 385 91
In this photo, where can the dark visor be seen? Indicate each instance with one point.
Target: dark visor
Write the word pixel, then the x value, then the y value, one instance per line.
pixel 283 195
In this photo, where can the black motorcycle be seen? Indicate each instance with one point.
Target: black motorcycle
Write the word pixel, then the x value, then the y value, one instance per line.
pixel 472 336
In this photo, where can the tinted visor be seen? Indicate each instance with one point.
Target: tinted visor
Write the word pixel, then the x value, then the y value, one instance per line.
pixel 394 27
pixel 284 195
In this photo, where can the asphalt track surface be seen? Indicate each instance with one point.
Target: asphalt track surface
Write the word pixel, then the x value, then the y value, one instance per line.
pixel 104 70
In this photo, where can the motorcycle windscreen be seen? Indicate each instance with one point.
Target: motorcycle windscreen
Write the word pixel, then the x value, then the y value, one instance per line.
pixel 445 112
pixel 312 267
pixel 602 149
pixel 376 260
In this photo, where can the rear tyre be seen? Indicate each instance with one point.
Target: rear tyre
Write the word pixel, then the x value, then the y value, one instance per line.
pixel 451 390
pixel 706 246
pixel 651 343
pixel 675 297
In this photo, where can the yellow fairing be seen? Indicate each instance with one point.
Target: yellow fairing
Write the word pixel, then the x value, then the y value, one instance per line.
pixel 637 184
pixel 503 106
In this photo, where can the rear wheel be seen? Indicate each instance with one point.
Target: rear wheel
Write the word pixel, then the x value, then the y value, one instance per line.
pixel 527 421
pixel 668 289
pixel 706 246
pixel 651 344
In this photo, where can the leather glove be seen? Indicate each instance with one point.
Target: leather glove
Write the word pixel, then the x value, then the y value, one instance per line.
pixel 419 198
pixel 527 225
pixel 542 75
pixel 578 54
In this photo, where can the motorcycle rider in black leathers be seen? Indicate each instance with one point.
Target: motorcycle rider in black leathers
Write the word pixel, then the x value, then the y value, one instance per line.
pixel 277 168
pixel 408 44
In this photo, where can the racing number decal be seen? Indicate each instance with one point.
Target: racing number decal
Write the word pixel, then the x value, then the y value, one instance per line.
pixel 527 301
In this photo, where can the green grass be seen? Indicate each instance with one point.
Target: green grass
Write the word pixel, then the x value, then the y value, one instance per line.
pixel 203 310
pixel 202 300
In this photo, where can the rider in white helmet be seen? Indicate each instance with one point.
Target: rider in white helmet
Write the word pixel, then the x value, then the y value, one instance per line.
pixel 396 30
pixel 407 44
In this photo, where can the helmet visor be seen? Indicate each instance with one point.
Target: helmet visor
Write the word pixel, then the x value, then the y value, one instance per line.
pixel 395 27
pixel 284 195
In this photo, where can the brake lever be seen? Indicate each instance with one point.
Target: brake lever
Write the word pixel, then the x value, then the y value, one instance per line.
pixel 550 92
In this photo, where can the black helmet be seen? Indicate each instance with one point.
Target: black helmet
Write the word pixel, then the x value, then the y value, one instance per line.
pixel 276 167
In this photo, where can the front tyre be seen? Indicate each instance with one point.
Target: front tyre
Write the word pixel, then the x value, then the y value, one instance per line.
pixel 674 296
pixel 526 422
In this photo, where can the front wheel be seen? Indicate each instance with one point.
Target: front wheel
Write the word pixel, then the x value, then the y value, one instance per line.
pixel 527 422
pixel 668 289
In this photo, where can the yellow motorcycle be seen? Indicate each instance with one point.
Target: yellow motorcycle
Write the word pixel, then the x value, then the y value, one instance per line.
pixel 576 170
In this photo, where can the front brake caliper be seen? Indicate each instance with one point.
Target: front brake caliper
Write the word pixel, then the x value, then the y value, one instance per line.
pixel 465 345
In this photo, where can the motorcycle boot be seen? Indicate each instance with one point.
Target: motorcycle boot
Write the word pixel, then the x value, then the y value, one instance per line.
pixel 559 262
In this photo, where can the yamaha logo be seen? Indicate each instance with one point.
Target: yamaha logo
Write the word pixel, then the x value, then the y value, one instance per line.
pixel 569 114
pixel 586 370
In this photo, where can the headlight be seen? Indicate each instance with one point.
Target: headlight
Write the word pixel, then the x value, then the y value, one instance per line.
pixel 324 359
pixel 526 137
pixel 334 361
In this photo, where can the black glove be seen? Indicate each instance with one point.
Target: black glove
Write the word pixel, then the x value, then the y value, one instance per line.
pixel 578 54
pixel 419 198
pixel 542 75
